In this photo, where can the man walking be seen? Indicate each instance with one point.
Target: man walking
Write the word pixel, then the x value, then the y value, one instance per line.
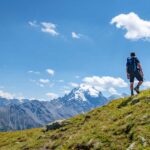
pixel 134 70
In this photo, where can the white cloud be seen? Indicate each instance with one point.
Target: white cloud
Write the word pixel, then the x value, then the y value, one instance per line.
pixel 91 90
pixel 136 27
pixel 52 96
pixel 44 81
pixel 6 95
pixel 146 84
pixel 33 72
pixel 46 27
pixel 74 84
pixel 49 28
pixel 75 35
pixel 105 83
pixel 112 91
pixel 33 23
pixel 50 72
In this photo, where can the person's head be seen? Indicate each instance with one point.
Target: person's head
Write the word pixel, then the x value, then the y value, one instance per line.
pixel 132 54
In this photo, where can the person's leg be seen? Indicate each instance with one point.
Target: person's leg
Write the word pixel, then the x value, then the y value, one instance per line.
pixel 132 84
pixel 137 88
pixel 139 84
pixel 131 88
pixel 140 79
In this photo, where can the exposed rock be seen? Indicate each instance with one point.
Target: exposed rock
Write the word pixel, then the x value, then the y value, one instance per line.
pixel 143 141
pixel 124 103
pixel 56 125
pixel 83 146
pixel 134 101
pixel 131 147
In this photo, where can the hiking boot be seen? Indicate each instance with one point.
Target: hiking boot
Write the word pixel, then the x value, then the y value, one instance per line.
pixel 132 93
pixel 137 90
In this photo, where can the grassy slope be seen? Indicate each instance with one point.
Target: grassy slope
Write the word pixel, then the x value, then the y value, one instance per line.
pixel 122 124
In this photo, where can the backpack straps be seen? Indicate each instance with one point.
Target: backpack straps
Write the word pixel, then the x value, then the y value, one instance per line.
pixel 135 64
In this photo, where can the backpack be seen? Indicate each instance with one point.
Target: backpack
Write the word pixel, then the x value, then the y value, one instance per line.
pixel 132 65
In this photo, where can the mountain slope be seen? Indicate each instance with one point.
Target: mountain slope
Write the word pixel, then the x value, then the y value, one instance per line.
pixel 25 114
pixel 121 124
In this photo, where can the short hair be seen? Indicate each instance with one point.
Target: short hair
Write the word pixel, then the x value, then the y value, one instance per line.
pixel 132 54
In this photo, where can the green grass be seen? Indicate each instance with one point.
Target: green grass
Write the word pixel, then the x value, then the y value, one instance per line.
pixel 121 124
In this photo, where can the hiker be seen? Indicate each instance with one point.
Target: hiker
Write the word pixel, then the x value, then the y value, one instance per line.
pixel 134 70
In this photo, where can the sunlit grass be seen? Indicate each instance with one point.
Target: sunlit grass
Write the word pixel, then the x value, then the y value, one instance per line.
pixel 119 125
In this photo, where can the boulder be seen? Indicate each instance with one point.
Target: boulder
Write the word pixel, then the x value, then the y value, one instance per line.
pixel 56 125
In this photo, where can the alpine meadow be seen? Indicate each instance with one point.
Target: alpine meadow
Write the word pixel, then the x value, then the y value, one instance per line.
pixel 74 75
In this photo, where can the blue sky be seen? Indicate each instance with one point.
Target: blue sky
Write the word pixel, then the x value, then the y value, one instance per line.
pixel 73 39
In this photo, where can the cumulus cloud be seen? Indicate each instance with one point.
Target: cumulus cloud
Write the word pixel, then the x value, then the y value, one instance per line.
pixel 49 28
pixel 146 84
pixel 46 27
pixel 51 72
pixel 112 91
pixel 105 83
pixel 6 95
pixel 136 27
pixel 75 35
pixel 52 96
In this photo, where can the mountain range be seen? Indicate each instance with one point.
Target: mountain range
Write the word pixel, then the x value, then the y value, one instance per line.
pixel 24 114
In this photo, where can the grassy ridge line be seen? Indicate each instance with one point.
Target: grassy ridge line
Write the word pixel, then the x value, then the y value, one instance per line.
pixel 121 124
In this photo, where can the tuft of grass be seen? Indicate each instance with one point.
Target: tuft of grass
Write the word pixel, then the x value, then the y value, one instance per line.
pixel 121 124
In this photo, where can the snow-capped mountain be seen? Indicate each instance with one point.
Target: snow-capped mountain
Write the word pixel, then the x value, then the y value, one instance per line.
pixel 79 100
pixel 83 91
pixel 16 114
pixel 87 94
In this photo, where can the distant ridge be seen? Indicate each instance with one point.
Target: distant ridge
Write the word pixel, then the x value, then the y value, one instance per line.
pixel 25 114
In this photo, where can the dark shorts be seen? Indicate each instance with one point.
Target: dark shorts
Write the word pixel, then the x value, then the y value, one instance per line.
pixel 136 75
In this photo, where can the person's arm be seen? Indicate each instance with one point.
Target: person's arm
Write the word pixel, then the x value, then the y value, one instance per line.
pixel 128 75
pixel 140 68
